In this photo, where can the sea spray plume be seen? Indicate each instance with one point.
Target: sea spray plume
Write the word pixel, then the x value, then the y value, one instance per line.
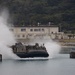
pixel 6 37
pixel 53 48
pixel 7 52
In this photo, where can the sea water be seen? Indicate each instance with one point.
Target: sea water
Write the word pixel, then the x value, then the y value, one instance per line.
pixel 59 65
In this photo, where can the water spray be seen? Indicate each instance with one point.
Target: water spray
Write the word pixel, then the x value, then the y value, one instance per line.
pixel 6 37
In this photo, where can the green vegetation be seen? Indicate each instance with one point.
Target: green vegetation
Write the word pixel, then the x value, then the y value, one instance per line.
pixel 25 12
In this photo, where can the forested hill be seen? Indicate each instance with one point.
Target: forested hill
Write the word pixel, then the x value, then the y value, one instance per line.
pixel 25 12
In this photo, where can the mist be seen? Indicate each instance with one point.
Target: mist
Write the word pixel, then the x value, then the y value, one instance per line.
pixel 6 37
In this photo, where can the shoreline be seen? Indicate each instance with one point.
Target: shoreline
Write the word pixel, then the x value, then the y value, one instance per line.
pixel 67 42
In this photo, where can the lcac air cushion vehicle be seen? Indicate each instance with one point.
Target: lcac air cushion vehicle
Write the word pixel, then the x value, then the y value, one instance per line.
pixel 26 51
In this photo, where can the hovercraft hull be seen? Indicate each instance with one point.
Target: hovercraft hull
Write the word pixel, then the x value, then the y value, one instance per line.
pixel 32 54
pixel 29 51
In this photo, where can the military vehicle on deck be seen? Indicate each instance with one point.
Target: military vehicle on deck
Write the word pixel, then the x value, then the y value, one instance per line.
pixel 26 51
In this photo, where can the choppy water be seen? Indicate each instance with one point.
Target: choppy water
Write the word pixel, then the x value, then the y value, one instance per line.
pixel 60 65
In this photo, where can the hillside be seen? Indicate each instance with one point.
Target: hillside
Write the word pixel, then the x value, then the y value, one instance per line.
pixel 25 12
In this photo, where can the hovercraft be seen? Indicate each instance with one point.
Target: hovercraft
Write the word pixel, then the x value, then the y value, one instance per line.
pixel 29 51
